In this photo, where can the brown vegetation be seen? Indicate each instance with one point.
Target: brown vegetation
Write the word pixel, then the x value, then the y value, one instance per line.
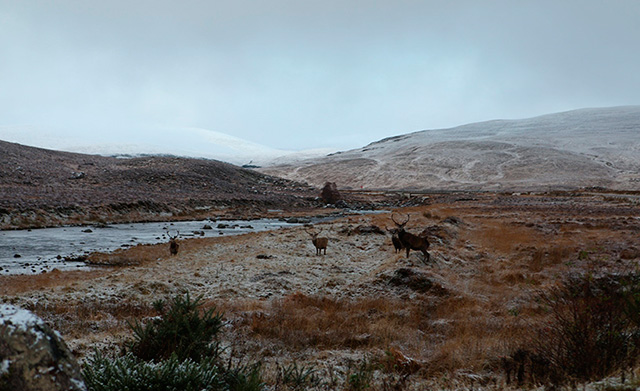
pixel 41 188
pixel 458 322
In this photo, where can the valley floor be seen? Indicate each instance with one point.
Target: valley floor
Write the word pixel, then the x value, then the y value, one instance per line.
pixel 363 310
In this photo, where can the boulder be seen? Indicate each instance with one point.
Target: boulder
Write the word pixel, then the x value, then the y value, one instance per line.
pixel 33 357
pixel 330 193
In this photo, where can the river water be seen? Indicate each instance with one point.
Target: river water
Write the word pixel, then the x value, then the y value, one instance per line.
pixel 40 250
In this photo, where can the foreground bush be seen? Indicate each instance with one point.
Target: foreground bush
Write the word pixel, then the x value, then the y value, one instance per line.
pixel 177 351
pixel 592 332
pixel 129 373
pixel 180 330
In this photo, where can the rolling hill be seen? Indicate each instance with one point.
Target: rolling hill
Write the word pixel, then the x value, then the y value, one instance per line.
pixel 40 187
pixel 574 149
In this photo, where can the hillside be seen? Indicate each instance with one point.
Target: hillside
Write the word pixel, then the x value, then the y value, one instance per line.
pixel 40 187
pixel 581 148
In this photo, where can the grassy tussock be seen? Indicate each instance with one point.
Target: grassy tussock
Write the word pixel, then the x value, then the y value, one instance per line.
pixel 132 256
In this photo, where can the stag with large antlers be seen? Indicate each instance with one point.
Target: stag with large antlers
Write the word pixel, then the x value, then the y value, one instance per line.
pixel 173 244
pixel 410 241
pixel 319 243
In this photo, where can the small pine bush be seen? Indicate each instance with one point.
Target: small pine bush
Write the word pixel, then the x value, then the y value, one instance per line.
pixel 176 351
pixel 129 373
pixel 179 330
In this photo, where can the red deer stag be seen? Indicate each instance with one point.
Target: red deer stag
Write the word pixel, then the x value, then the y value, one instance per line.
pixel 397 244
pixel 173 244
pixel 319 243
pixel 410 241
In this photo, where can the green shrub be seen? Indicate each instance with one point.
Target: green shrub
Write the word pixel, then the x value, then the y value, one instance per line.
pixel 298 378
pixel 129 373
pixel 179 330
pixel 176 351
pixel 360 377
pixel 244 378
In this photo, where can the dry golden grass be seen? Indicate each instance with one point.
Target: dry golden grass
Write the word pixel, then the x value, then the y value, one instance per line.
pixel 132 256
pixel 501 237
pixel 92 316
pixel 16 284
pixel 299 321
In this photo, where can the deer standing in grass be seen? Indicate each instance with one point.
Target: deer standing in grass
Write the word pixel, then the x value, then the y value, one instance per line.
pixel 319 243
pixel 410 241
pixel 173 244
pixel 397 244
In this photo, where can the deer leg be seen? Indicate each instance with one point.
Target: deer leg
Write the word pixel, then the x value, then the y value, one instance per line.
pixel 408 249
pixel 426 256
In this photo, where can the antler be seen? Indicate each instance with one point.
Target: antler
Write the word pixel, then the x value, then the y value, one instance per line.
pixel 173 237
pixel 399 224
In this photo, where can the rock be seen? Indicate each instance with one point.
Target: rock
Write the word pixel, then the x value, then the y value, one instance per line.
pixel 87 231
pixel 369 229
pixel 330 193
pixel 33 357
pixel 298 220
pixel 17 256
pixel 417 281
pixel 342 204
pixel 453 220
pixel 207 226
pixel 78 175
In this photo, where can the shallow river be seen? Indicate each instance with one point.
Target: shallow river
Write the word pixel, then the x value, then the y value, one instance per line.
pixel 40 250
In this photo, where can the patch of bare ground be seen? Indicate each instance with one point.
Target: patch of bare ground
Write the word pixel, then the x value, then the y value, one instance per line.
pixel 448 324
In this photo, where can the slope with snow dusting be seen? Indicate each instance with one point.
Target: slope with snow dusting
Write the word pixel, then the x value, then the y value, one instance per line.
pixel 155 140
pixel 581 148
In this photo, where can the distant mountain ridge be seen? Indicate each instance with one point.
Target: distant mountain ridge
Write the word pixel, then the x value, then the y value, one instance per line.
pixel 573 149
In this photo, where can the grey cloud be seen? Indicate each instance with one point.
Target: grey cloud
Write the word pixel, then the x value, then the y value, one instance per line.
pixel 282 72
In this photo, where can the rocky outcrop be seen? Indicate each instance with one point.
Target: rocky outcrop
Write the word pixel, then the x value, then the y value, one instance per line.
pixel 330 193
pixel 33 357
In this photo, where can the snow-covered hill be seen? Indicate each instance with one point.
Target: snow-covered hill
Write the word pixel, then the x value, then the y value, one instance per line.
pixel 581 148
pixel 184 142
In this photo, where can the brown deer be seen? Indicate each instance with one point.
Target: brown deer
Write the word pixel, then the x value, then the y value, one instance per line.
pixel 410 241
pixel 319 243
pixel 173 244
pixel 397 244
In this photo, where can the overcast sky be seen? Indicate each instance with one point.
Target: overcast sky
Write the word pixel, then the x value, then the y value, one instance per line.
pixel 295 74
